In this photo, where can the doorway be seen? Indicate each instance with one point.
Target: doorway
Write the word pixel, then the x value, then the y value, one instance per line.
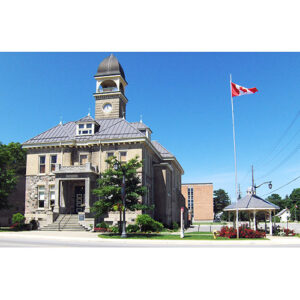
pixel 79 199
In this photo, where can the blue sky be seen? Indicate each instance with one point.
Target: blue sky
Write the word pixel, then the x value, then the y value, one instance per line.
pixel 183 97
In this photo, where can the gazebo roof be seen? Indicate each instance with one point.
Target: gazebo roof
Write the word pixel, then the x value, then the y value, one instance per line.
pixel 251 202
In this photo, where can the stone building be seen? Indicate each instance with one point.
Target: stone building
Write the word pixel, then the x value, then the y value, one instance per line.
pixel 199 200
pixel 64 163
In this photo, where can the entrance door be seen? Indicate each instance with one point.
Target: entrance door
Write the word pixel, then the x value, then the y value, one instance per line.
pixel 79 198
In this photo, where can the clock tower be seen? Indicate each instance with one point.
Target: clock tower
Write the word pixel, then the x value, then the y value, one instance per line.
pixel 110 90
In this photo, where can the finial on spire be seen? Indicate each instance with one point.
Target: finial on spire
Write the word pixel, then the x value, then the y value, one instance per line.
pixel 89 111
pixel 141 118
pixel 60 122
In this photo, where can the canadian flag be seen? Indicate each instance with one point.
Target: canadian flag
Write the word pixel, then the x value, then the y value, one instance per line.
pixel 238 90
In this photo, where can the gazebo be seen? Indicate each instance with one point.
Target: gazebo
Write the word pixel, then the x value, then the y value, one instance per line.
pixel 251 203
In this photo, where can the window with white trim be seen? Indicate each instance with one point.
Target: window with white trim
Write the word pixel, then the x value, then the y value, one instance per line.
pixel 42 164
pixel 41 196
pixel 53 161
pixel 51 195
pixel 85 128
pixel 191 198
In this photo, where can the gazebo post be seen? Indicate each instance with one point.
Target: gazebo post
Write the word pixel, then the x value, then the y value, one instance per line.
pixel 254 220
pixel 249 215
pixel 271 229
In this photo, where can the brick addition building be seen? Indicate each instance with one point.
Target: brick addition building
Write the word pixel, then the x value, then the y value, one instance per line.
pixel 64 162
pixel 199 200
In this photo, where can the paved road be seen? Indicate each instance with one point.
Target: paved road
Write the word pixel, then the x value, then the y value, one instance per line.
pixel 91 240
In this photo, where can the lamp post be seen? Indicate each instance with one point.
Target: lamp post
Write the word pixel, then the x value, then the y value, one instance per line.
pixel 118 166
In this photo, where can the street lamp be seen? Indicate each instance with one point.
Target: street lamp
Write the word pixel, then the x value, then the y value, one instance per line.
pixel 117 166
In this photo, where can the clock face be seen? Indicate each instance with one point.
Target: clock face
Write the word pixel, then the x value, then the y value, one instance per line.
pixel 107 108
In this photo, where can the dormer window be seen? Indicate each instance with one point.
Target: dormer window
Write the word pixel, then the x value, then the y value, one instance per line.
pixel 85 129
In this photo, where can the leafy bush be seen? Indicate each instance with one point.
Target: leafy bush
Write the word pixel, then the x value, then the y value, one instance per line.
pixel 244 232
pixel 114 229
pixel 102 225
pixel 146 224
pixel 18 221
pixel 132 228
pixel 175 226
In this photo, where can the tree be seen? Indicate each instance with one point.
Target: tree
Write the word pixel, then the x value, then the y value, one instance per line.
pixel 294 204
pixel 109 188
pixel 277 200
pixel 12 165
pixel 221 200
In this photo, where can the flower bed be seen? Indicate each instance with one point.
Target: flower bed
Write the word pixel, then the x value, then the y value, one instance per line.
pixel 101 229
pixel 244 232
pixel 289 232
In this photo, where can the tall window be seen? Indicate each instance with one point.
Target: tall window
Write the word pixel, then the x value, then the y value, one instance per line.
pixel 52 195
pixel 123 157
pixel 109 155
pixel 42 164
pixel 53 161
pixel 83 159
pixel 41 196
pixel 191 199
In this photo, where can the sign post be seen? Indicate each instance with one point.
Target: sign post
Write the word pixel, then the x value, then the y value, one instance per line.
pixel 181 223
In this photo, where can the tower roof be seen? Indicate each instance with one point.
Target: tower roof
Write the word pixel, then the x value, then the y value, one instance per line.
pixel 110 66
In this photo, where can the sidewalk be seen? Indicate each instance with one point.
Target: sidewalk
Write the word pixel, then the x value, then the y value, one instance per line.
pixel 93 237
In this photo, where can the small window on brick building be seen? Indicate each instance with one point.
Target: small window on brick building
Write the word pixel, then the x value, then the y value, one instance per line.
pixel 42 164
pixel 53 161
pixel 41 196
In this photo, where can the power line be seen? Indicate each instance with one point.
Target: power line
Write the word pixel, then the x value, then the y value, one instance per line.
pixel 295 150
pixel 279 140
pixel 282 186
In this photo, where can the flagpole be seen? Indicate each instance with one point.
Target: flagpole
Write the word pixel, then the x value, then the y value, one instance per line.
pixel 236 190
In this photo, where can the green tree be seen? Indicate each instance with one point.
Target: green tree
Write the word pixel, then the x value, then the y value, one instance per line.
pixel 277 200
pixel 109 188
pixel 12 164
pixel 221 200
pixel 294 204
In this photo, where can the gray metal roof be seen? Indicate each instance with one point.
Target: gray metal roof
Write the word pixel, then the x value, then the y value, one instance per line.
pixel 139 125
pixel 87 118
pixel 251 202
pixel 109 129
pixel 110 66
pixel 162 150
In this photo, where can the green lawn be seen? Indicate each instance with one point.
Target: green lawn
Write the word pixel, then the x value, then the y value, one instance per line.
pixel 187 236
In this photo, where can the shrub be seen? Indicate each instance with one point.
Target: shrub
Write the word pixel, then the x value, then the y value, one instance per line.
pixel 146 223
pixel 132 228
pixel 18 221
pixel 102 225
pixel 175 226
pixel 244 232
pixel 114 229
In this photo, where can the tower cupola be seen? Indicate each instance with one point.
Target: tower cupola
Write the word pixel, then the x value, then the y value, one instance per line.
pixel 110 89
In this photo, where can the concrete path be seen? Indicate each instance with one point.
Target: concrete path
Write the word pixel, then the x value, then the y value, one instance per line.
pixel 88 239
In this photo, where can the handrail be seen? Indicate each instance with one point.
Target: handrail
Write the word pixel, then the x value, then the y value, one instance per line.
pixel 69 218
pixel 60 222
